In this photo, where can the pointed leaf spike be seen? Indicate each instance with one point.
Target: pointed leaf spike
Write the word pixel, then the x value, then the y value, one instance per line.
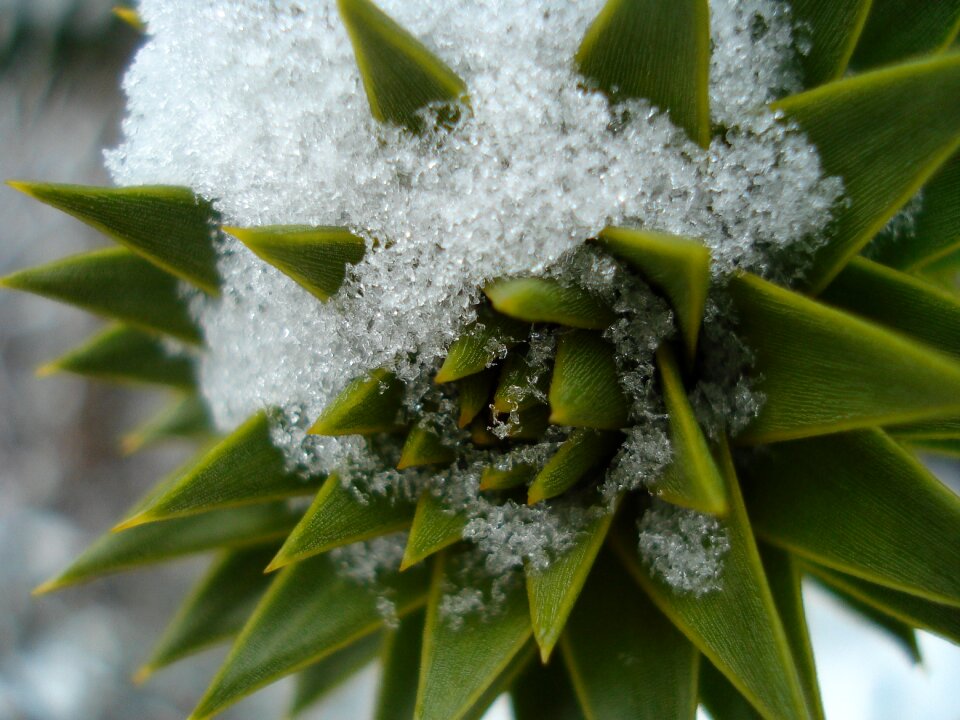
pixel 131 17
pixel 580 453
pixel 433 529
pixel 401 76
pixel 316 257
pixel 169 226
pixel 585 389
pixel 858 125
pixel 424 447
pixel 654 50
pixel 546 300
pixel 678 266
pixel 367 405
pixel 692 478
pixel 185 417
pixel 831 29
pixel 896 30
pixel 480 345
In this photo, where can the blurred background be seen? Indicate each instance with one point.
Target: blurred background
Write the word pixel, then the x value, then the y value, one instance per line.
pixel 64 479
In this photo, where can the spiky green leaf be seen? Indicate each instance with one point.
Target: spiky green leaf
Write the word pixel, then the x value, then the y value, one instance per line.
pixel 424 447
pixel 475 391
pixel 521 384
pixel 614 620
pixel 310 611
pixel 678 266
pixel 316 257
pixel 897 30
pixel 654 50
pixel 585 388
pixel 721 699
pixel 860 126
pixel 399 668
pixel 125 354
pixel 859 503
pixel 494 477
pixel 433 529
pixel 114 283
pixel 830 30
pixel 367 405
pixel 480 345
pixel 824 371
pixel 537 299
pixel 185 417
pixel 169 226
pixel 581 452
pixel 400 75
pixel 317 680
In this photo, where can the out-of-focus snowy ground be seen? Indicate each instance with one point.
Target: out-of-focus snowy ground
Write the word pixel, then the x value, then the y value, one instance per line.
pixel 63 480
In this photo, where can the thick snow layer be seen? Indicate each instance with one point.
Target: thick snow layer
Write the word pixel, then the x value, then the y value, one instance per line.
pixel 259 105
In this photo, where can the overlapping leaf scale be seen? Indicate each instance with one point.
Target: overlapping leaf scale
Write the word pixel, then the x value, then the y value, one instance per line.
pixel 654 50
pixel 830 28
pixel 614 620
pixel 535 299
pixel 463 660
pixel 169 226
pixel 583 451
pixel 493 477
pixel 859 503
pixel 216 609
pixel 310 611
pixel 114 283
pixel 320 678
pixel 480 345
pixel 585 388
pixel 521 385
pixel 367 405
pixel 186 417
pixel 474 395
pixel 824 371
pixel 434 528
pixel 242 469
pixel 897 30
pixel 399 669
pixel 401 76
pixel 315 257
pixel 158 542
pixel 737 627
pixel 125 354
pixel 424 447
pixel 884 133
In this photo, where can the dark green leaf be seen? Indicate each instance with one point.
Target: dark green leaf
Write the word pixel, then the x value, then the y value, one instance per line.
pixel 316 257
pixel 475 391
pixel 433 529
pixel 521 385
pixel 678 266
pixel 158 542
pixel 824 371
pixel 897 30
pixel 317 680
pixel 546 300
pixel 585 389
pixel 859 503
pixel 114 283
pixel 216 609
pixel 169 226
pixel 424 447
pixel 367 405
pixel 531 423
pixel 399 669
pixel 580 453
pixel 494 477
pixel 945 429
pixel 310 611
pixel 400 75
pixel 721 699
pixel 125 354
pixel 949 447
pixel 185 417
pixel 626 660
pixel 541 692
pixel 553 590
pixel 692 478
pixel 480 345
pixel 829 29
pixel 899 301
pixel 463 657
pixel 860 126
pixel 654 50
pixel 737 627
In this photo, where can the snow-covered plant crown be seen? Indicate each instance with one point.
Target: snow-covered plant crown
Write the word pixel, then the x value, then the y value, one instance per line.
pixel 501 282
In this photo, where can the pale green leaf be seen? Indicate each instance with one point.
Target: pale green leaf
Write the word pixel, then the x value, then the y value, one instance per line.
pixel 316 257
pixel 433 529
pixel 678 266
pixel 823 370
pixel 125 354
pixel 310 611
pixel 480 345
pixel 585 388
pixel 114 283
pixel 859 503
pixel 317 680
pixel 475 391
pixel 424 447
pixel 545 300
pixel 462 659
pixel 496 478
pixel 900 29
pixel 216 609
pixel 737 627
pixel 169 226
pixel 829 29
pixel 583 451
pixel 552 591
pixel 692 478
pixel 898 301
pixel 627 660
pixel 401 76
pixel 186 417
pixel 884 133
pixel 367 405
pixel 159 542
pixel 544 692
pixel 242 469
pixel 654 50
pixel 399 669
